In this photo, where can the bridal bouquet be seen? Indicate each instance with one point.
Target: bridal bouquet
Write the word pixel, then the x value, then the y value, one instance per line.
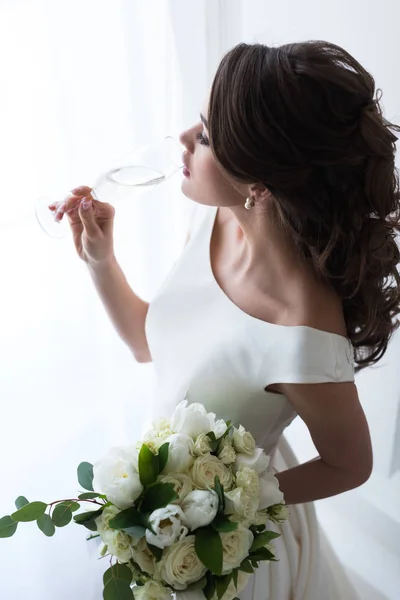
pixel 185 510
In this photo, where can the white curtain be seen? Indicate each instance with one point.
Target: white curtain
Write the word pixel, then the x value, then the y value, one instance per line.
pixel 82 82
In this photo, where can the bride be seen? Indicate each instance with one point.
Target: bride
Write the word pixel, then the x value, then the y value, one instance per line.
pixel 288 282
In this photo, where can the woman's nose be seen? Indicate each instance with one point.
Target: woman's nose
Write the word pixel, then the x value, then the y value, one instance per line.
pixel 186 139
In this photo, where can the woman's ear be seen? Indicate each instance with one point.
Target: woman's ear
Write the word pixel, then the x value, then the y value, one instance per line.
pixel 259 192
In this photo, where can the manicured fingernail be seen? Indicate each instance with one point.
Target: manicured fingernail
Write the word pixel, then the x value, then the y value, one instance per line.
pixel 61 208
pixel 86 204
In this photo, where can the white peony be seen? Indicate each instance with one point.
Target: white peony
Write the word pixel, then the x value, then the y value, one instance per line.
pixel 157 436
pixel 258 461
pixel 180 453
pixel 226 452
pixel 202 445
pixel 204 470
pixel 242 504
pixel 219 426
pixel 270 493
pixel 190 419
pixel 116 475
pixel 167 524
pixel 199 508
pixel 152 590
pixel 144 557
pixel 236 546
pixel 183 485
pixel 118 543
pixel 243 441
pixel 180 565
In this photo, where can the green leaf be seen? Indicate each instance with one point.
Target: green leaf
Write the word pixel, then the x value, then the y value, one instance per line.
pixel 262 539
pixel 213 441
pixel 117 589
pixel 148 466
pixel 129 517
pixel 222 584
pixel 118 571
pixel 262 554
pixel 219 488
pixel 85 476
pixel 158 495
pixel 157 552
pixel 62 514
pixel 7 527
pixel 29 512
pixel 91 525
pixel 163 456
pixel 246 566
pixel 222 524
pixel 21 501
pixel 208 546
pixel 85 517
pixel 88 496
pixel 46 525
pixel 136 531
pixel 209 588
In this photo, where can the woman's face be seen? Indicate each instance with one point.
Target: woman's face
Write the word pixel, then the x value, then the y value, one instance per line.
pixel 204 181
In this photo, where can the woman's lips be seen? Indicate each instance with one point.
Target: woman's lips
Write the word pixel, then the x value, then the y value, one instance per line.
pixel 186 172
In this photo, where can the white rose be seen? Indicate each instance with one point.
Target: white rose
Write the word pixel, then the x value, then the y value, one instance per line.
pixel 248 480
pixel 243 441
pixel 152 590
pixel 118 542
pixel 226 452
pixel 144 557
pixel 204 470
pixel 180 565
pixel 190 419
pixel 238 502
pixel 167 526
pixel 260 518
pixel 179 453
pixel 278 513
pixel 116 475
pixel 182 485
pixel 199 508
pixel 236 546
pixel 202 445
pixel 258 461
pixel 270 493
pixel 219 428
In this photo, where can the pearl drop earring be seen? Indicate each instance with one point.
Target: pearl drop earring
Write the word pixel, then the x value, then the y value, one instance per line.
pixel 249 202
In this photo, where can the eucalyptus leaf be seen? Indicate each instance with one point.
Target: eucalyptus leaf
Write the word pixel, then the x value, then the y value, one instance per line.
pixel 29 512
pixel 85 476
pixel 163 456
pixel 117 589
pixel 129 517
pixel 117 571
pixel 46 525
pixel 148 466
pixel 224 525
pixel 7 527
pixel 208 546
pixel 158 495
pixel 222 584
pixel 88 496
pixel 262 539
pixel 62 514
pixel 20 502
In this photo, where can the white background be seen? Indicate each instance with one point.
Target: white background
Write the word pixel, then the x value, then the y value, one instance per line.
pixel 83 81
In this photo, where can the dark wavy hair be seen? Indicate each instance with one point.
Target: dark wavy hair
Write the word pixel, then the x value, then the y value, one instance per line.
pixel 304 120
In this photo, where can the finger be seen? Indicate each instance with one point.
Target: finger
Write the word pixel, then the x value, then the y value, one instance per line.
pixel 81 190
pixel 86 214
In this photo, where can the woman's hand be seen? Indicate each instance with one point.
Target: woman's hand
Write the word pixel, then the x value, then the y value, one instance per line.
pixel 92 225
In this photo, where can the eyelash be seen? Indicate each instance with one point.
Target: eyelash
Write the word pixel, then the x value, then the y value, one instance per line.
pixel 202 139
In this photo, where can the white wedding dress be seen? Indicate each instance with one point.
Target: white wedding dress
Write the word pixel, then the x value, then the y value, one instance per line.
pixel 205 346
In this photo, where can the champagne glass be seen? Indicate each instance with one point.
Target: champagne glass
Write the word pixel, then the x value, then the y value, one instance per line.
pixel 130 176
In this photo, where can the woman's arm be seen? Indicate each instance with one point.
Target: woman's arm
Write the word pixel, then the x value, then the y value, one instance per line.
pixel 338 427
